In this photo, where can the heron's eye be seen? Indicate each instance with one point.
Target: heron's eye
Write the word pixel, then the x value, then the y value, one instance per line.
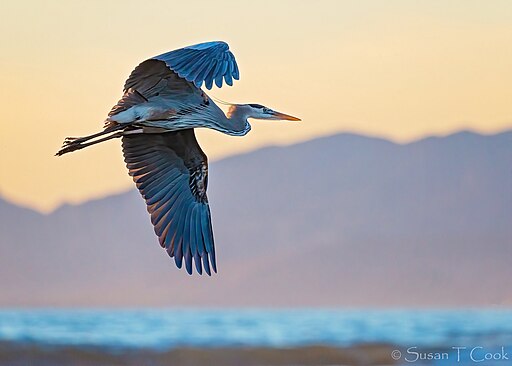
pixel 267 111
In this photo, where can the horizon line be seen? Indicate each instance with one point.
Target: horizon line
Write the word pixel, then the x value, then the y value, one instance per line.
pixel 65 203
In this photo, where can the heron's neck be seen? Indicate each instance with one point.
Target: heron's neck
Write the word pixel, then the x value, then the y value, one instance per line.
pixel 237 120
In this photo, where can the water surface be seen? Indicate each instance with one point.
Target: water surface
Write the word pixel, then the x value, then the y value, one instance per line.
pixel 169 328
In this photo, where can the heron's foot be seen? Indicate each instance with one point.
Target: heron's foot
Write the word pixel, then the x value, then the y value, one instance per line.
pixel 69 140
pixel 70 144
pixel 68 148
pixel 73 141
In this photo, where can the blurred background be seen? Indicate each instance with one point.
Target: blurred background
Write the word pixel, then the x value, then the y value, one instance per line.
pixel 380 223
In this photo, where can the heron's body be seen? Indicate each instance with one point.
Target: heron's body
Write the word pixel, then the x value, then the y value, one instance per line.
pixel 161 105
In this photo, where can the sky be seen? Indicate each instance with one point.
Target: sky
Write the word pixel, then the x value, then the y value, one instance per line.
pixel 397 69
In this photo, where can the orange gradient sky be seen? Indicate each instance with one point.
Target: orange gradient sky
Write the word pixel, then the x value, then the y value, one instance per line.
pixel 398 69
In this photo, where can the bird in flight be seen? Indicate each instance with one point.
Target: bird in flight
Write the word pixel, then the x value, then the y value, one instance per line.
pixel 161 105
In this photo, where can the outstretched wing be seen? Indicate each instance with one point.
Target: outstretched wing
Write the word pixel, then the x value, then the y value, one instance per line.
pixel 176 76
pixel 171 172
pixel 204 62
pixel 152 81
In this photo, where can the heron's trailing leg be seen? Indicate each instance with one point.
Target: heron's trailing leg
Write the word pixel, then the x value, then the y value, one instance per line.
pixel 77 144
pixel 78 140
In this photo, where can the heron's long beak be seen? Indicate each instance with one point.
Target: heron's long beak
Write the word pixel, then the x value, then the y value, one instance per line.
pixel 286 117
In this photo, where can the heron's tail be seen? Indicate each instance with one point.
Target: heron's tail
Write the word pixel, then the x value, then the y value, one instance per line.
pixel 76 143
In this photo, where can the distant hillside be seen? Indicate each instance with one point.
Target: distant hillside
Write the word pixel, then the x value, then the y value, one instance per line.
pixel 343 220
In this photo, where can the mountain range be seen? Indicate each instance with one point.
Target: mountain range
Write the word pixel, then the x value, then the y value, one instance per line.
pixel 344 220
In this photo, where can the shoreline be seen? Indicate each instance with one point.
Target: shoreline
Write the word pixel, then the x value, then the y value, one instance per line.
pixel 16 354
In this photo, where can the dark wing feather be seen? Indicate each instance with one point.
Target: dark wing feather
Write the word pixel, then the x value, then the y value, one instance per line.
pixel 171 172
pixel 204 62
pixel 153 77
pixel 130 98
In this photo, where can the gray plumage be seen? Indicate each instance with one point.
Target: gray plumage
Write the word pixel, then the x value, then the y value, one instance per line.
pixel 171 172
pixel 161 105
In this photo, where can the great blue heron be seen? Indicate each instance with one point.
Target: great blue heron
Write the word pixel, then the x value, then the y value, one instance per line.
pixel 156 116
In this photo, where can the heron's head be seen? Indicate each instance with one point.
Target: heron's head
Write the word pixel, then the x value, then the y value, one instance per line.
pixel 258 111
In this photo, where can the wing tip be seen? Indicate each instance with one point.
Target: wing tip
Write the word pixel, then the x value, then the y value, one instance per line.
pixel 201 262
pixel 186 59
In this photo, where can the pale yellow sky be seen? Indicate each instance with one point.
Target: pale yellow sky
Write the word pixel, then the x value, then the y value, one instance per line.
pixel 399 69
